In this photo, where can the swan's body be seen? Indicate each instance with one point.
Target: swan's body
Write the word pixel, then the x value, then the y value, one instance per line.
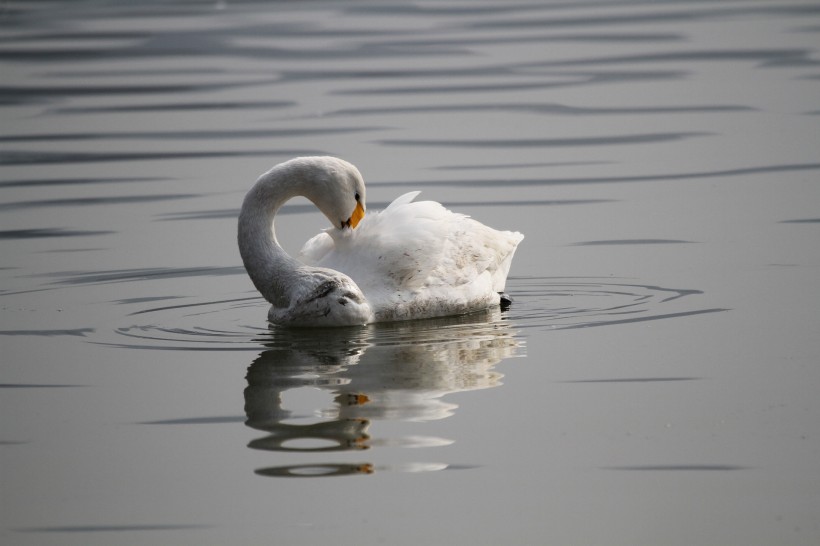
pixel 412 260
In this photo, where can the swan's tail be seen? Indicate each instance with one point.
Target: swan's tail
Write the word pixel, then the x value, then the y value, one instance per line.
pixel 507 244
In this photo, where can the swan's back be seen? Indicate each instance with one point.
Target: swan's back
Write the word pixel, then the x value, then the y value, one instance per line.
pixel 419 260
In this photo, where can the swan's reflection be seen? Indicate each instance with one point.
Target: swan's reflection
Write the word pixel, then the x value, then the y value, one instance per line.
pixel 387 372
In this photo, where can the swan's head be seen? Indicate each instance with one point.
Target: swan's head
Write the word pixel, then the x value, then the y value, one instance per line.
pixel 335 187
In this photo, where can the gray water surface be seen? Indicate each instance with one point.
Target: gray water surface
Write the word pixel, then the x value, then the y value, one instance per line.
pixel 654 382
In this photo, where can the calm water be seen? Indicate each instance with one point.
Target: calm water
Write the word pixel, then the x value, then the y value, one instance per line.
pixel 655 381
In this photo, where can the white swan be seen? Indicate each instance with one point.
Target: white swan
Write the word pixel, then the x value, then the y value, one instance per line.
pixel 412 260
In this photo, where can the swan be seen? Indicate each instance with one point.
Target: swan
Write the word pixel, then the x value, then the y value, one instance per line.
pixel 413 260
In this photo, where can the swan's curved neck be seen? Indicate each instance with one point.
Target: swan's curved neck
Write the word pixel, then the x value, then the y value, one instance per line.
pixel 270 268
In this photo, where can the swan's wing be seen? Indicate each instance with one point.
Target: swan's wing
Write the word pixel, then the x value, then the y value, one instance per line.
pixel 316 248
pixel 402 200
pixel 447 249
pixel 424 249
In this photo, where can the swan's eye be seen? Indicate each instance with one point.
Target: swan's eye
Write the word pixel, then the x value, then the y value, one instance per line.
pixel 357 196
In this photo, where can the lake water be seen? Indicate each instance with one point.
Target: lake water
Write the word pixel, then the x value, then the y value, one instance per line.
pixel 655 381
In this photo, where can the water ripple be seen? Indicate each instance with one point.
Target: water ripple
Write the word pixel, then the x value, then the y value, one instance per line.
pixel 545 303
pixel 537 108
pixel 186 135
pixel 93 201
pixel 649 138
pixel 524 182
pixel 174 107
pixel 567 303
pixel 622 242
pixel 15 158
pixel 43 233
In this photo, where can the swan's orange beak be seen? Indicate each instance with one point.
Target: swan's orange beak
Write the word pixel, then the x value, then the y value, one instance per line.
pixel 357 215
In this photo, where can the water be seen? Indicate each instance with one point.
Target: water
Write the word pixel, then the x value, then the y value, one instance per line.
pixel 655 381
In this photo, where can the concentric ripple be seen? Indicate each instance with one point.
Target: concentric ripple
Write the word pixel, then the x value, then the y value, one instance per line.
pixel 579 302
pixel 551 303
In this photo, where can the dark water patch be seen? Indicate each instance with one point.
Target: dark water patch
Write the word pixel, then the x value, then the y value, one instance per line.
pixel 538 108
pixel 94 201
pixel 650 138
pixel 180 14
pixel 129 275
pixel 438 10
pixel 449 88
pixel 561 79
pixel 512 182
pixel 11 95
pixel 610 20
pixel 629 37
pixel 198 46
pixel 680 468
pixel 681 17
pixel 222 214
pixel 807 28
pixel 216 420
pixel 36 386
pixel 765 57
pixel 142 72
pixel 14 158
pixel 146 299
pixel 71 250
pixel 493 11
pixel 78 332
pixel 505 70
pixel 73 182
pixel 620 242
pixel 364 51
pixel 635 380
pixel 86 35
pixel 418 74
pixel 301 30
pixel 45 233
pixel 801 221
pixel 495 72
pixel 187 135
pixel 505 166
pixel 483 10
pixel 110 528
pixel 620 38
pixel 175 107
